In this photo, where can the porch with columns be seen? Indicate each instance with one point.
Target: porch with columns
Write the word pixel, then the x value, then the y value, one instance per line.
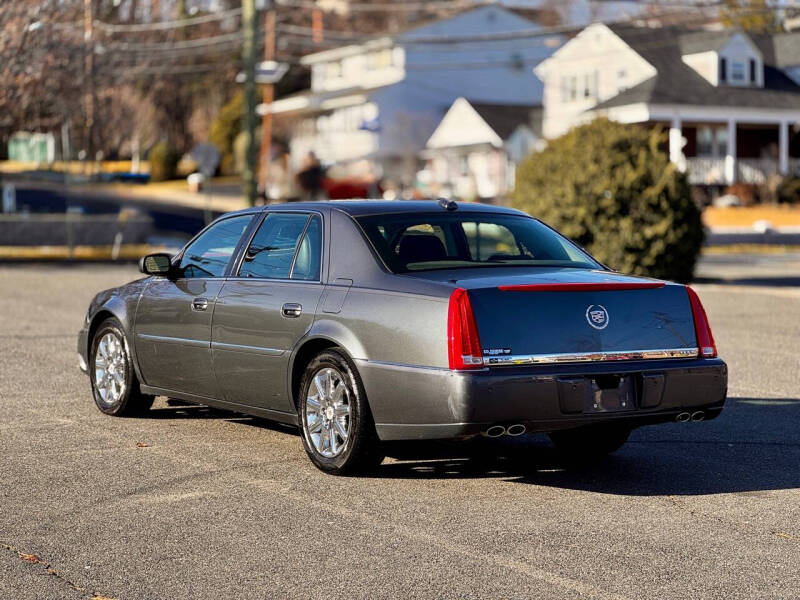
pixel 755 160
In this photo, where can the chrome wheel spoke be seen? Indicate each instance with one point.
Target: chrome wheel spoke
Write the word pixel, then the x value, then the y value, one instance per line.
pixel 338 391
pixel 340 429
pixel 312 403
pixel 320 385
pixel 341 410
pixel 316 426
pixel 333 438
pixel 321 440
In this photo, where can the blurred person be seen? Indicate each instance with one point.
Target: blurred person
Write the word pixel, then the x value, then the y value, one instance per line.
pixel 310 178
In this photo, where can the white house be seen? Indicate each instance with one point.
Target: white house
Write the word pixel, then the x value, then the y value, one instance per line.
pixel 730 100
pixel 373 106
pixel 474 151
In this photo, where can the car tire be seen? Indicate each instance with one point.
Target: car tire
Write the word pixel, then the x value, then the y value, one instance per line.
pixel 590 442
pixel 115 387
pixel 336 424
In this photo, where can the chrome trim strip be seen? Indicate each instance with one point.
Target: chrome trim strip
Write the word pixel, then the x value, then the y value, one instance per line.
pixel 537 359
pixel 243 348
pixel 173 340
pixel 401 366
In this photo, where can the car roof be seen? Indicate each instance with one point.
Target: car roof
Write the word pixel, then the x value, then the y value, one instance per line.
pixel 357 208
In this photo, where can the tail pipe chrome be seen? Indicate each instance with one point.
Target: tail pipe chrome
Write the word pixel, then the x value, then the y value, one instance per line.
pixel 495 431
pixel 515 429
pixel 698 415
pixel 683 417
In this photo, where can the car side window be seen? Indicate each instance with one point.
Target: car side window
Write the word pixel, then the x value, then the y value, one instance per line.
pixel 209 254
pixel 286 246
pixel 309 254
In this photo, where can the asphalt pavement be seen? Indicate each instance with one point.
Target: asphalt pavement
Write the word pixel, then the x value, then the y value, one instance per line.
pixel 190 502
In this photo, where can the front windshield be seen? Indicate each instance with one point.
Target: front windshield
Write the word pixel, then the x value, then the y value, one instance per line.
pixel 410 242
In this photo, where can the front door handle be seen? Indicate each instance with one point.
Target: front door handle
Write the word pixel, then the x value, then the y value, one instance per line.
pixel 199 304
pixel 291 310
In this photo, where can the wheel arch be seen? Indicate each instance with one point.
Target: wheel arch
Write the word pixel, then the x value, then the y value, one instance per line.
pixel 118 311
pixel 99 317
pixel 317 340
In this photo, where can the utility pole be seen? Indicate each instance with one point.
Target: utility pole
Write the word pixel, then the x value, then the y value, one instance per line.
pixel 268 96
pixel 249 117
pixel 88 33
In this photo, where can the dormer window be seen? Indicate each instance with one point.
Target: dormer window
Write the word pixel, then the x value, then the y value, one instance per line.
pixel 753 78
pixel 723 69
pixel 737 71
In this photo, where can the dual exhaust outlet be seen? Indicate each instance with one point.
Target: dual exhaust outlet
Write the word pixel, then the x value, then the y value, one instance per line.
pixel 516 429
pixel 496 431
pixel 685 417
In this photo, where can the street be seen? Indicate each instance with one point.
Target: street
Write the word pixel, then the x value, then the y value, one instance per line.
pixel 191 502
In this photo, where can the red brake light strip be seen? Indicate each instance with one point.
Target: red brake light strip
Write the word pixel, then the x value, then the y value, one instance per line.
pixel 582 287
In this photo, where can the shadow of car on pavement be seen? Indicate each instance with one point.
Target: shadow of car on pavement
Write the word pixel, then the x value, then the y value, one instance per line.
pixel 754 446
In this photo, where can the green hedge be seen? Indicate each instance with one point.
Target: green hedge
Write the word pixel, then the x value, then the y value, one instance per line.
pixel 612 189
pixel 224 129
pixel 163 162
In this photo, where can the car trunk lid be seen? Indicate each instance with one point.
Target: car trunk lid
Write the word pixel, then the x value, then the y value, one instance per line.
pixel 572 315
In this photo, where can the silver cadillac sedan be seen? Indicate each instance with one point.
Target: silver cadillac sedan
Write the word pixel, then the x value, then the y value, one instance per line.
pixel 366 321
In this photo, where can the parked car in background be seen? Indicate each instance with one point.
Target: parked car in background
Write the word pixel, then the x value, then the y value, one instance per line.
pixel 366 321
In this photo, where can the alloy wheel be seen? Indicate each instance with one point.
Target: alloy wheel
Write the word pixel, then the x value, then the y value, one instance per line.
pixel 327 412
pixel 109 369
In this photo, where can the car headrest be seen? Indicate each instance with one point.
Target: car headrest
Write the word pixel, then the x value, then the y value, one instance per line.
pixel 421 248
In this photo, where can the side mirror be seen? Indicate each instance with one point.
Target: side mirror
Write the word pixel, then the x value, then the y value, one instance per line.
pixel 156 264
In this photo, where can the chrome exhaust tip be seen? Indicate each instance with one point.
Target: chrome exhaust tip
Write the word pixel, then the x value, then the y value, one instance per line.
pixel 698 416
pixel 495 431
pixel 683 417
pixel 515 429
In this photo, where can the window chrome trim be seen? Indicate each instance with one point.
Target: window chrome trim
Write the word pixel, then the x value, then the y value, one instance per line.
pixel 178 257
pixel 237 267
pixel 538 359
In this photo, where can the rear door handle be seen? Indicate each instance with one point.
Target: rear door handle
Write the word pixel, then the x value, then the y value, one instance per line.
pixel 199 304
pixel 291 310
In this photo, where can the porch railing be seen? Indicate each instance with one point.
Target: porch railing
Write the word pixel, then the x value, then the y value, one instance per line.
pixel 711 171
pixel 756 170
pixel 707 171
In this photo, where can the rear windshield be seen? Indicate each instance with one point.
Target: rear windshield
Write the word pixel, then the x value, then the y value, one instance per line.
pixel 426 241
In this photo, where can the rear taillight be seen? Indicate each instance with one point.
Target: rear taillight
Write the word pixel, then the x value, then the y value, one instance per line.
pixel 463 344
pixel 705 339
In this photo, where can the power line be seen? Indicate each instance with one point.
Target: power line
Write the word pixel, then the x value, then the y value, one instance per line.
pixel 169 46
pixel 162 25
pixel 392 7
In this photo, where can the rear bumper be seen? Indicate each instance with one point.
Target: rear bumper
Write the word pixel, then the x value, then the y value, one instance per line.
pixel 424 403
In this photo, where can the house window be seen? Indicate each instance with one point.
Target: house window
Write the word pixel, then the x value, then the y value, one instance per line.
pixel 723 70
pixel 712 142
pixel 705 142
pixel 578 88
pixel 737 71
pixel 753 78
pixel 587 85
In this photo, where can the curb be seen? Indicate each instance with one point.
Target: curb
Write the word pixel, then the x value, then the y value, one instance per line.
pixel 92 253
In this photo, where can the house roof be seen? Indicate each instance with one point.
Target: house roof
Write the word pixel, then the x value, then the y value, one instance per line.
pixel 703 41
pixel 676 82
pixel 504 119
pixel 787 49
